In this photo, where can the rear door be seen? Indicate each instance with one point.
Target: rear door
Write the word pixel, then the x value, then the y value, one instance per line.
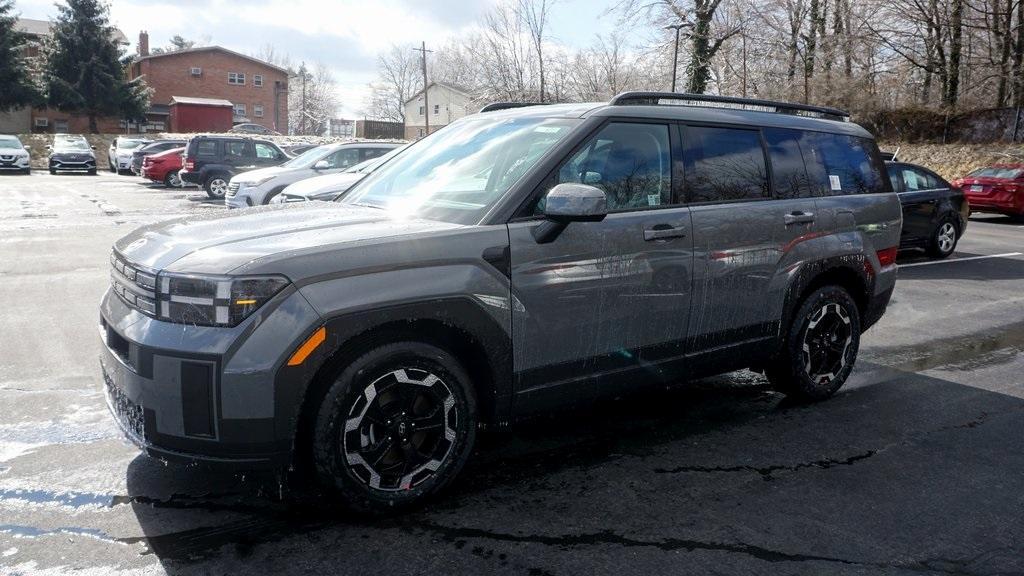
pixel 920 195
pixel 749 219
pixel 604 298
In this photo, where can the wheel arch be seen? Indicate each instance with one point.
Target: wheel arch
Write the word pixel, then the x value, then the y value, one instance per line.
pixel 456 325
pixel 853 273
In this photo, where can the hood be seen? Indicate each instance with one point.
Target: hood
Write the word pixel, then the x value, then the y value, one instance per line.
pixel 329 183
pixel 73 152
pixel 251 175
pixel 221 242
pixel 12 151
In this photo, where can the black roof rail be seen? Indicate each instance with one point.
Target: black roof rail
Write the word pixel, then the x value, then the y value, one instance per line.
pixel 508 105
pixel 711 101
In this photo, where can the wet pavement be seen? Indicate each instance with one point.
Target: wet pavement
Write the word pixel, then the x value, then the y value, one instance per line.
pixel 914 467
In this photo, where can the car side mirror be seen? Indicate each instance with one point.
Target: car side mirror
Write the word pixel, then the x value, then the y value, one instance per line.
pixel 321 165
pixel 29 148
pixel 567 203
pixel 93 147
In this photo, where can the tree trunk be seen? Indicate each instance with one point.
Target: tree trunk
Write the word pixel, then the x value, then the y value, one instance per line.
pixel 956 33
pixel 698 69
pixel 1018 59
pixel 1003 31
pixel 93 126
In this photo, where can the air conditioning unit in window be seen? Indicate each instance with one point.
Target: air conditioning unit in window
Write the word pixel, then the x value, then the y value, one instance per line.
pixel 195 71
pixel 42 122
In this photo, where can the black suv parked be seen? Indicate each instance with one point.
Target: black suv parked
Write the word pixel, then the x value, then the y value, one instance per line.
pixel 513 261
pixel 935 212
pixel 211 161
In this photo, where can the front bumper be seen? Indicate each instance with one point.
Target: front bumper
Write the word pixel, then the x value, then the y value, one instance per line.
pixel 203 394
pixel 14 164
pixel 240 196
pixel 73 166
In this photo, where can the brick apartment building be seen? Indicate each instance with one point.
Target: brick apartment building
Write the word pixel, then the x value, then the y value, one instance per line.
pixel 257 90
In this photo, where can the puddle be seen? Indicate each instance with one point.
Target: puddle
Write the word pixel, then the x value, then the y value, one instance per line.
pixel 999 345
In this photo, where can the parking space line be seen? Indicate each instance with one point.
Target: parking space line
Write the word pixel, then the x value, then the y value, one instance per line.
pixel 1006 255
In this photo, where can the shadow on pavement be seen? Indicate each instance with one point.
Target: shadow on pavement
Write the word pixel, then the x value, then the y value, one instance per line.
pixel 908 474
pixel 950 269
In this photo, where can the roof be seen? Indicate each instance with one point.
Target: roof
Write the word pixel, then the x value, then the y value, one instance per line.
pixel 35 27
pixel 211 49
pixel 452 87
pixel 201 101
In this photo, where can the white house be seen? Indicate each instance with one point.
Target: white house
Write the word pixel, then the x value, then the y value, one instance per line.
pixel 446 104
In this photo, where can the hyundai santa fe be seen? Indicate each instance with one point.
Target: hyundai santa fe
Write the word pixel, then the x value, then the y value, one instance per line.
pixel 514 261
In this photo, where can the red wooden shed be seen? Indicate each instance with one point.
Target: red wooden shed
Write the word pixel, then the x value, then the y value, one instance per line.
pixel 188 114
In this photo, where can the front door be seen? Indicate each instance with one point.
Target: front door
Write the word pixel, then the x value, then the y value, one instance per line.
pixel 604 298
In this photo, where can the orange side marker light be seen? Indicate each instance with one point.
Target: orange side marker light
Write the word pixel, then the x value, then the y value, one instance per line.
pixel 311 343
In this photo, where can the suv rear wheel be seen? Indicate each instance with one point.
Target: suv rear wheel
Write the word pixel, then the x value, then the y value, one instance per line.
pixel 216 186
pixel 395 427
pixel 820 348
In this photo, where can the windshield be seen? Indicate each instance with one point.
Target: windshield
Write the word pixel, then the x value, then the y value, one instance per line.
pixel 9 142
pixel 459 172
pixel 367 166
pixel 71 145
pixel 997 172
pixel 130 144
pixel 307 158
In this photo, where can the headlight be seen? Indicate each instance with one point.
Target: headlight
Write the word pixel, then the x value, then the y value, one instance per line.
pixel 255 183
pixel 213 300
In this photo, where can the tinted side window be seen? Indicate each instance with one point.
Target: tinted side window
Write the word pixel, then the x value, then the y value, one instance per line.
pixel 206 148
pixel 631 163
pixel 722 164
pixel 839 165
pixel 789 176
pixel 373 152
pixel 234 149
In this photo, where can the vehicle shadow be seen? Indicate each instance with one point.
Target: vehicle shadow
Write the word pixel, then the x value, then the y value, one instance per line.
pixel 996 219
pixel 909 464
pixel 988 269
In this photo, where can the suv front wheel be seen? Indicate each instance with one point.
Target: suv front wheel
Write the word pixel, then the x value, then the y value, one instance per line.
pixel 395 427
pixel 820 348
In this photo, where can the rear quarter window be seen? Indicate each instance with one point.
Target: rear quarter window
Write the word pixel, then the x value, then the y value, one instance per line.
pixel 839 165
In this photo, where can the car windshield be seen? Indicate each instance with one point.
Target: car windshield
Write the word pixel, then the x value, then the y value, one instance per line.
pixel 9 142
pixel 71 145
pixel 367 166
pixel 130 144
pixel 459 172
pixel 307 158
pixel 997 172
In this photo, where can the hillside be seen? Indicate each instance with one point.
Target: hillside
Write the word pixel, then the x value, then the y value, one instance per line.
pixel 954 160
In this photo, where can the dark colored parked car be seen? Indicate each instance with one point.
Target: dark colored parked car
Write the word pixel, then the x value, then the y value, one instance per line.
pixel 152 148
pixel 935 213
pixel 250 128
pixel 514 261
pixel 163 167
pixel 72 154
pixel 211 161
pixel 997 189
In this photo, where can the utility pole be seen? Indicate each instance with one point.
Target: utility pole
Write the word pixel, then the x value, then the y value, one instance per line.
pixel 426 104
pixel 675 53
pixel 303 69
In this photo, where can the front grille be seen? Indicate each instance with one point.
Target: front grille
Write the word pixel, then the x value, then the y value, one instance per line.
pixel 6 158
pixel 128 413
pixel 135 285
pixel 232 189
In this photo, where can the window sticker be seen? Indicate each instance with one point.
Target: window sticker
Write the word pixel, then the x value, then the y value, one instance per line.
pixel 837 186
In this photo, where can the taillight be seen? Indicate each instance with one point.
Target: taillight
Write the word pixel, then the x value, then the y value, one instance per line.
pixel 887 257
pixel 190 164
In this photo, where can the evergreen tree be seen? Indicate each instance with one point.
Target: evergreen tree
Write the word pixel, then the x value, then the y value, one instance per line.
pixel 18 88
pixel 85 73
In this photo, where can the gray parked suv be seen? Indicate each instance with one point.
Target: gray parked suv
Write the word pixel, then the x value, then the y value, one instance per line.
pixel 516 260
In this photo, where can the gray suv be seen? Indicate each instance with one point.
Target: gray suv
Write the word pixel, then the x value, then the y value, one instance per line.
pixel 517 260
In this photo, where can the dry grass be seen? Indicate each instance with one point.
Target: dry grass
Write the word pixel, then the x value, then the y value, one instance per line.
pixel 952 161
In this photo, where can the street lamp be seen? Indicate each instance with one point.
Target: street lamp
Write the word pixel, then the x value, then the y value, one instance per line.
pixel 675 53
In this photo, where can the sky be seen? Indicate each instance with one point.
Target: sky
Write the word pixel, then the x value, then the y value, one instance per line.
pixel 345 35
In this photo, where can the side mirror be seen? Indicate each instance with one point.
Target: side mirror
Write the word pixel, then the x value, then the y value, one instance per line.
pixel 321 165
pixel 29 148
pixel 93 147
pixel 570 202
pixel 566 203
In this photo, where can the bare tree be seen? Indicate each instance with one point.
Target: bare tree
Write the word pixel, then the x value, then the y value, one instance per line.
pixel 533 14
pixel 312 100
pixel 399 78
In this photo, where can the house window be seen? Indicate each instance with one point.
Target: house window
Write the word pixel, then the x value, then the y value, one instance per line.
pixel 421 110
pixel 257 110
pixel 437 109
pixel 239 109
pixel 257 80
pixel 237 78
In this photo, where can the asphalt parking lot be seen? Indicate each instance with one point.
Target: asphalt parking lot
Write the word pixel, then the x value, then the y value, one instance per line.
pixel 914 467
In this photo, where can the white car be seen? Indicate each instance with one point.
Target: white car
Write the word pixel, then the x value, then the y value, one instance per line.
pixel 260 186
pixel 331 186
pixel 119 155
pixel 13 155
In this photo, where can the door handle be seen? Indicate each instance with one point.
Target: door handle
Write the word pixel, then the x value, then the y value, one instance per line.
pixel 662 232
pixel 798 218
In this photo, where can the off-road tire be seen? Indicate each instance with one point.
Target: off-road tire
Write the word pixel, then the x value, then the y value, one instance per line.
pixel 349 402
pixel 789 373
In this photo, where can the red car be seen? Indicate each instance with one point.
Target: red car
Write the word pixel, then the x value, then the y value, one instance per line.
pixel 163 167
pixel 998 189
